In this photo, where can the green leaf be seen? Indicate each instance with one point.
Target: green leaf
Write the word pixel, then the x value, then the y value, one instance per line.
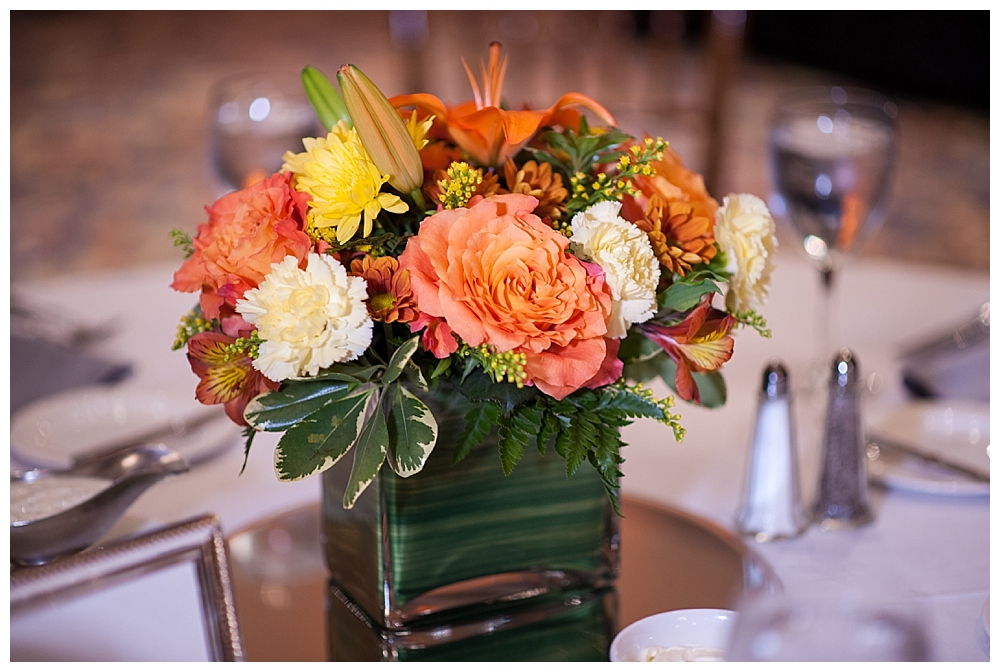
pixel 565 435
pixel 683 296
pixel 711 384
pixel 182 240
pixel 635 347
pixel 583 431
pixel 511 448
pixel 249 433
pixel 642 371
pixel 611 489
pixel 369 454
pixel 715 269
pixel 329 106
pixel 630 404
pixel 345 373
pixel 316 443
pixel 548 430
pixel 478 386
pixel 478 423
pixel 442 367
pixel 416 376
pixel 517 432
pixel 296 400
pixel 413 432
pixel 579 151
pixel 711 388
pixel 399 360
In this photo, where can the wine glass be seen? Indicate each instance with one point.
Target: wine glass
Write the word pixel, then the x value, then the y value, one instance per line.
pixel 833 150
pixel 256 118
pixel 836 627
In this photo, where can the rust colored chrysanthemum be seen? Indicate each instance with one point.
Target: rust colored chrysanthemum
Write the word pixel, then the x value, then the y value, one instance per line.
pixel 540 182
pixel 389 296
pixel 680 237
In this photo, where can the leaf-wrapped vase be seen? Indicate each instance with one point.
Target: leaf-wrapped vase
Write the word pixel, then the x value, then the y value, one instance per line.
pixel 460 557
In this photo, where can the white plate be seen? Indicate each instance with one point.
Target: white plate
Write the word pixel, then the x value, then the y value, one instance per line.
pixel 700 629
pixel 52 431
pixel 958 431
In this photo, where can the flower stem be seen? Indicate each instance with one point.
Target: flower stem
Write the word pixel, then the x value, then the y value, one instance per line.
pixel 418 200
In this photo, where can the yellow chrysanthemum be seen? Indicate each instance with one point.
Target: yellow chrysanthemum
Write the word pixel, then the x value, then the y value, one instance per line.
pixel 344 183
pixel 418 129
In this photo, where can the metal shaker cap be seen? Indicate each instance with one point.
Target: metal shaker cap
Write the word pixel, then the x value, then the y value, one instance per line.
pixel 774 383
pixel 845 369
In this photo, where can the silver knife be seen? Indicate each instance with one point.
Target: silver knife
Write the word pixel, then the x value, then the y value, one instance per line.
pixel 965 470
pixel 156 434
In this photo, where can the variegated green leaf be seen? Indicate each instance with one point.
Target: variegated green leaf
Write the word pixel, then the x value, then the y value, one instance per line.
pixel 295 401
pixel 399 359
pixel 316 443
pixel 412 432
pixel 369 454
pixel 416 376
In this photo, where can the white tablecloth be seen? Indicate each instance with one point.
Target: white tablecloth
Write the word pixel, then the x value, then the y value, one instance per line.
pixel 931 551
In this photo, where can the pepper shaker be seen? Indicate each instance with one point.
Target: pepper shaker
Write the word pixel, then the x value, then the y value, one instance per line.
pixel 843 489
pixel 771 506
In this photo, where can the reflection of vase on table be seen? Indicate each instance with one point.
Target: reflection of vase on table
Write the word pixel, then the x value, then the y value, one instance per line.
pixel 466 547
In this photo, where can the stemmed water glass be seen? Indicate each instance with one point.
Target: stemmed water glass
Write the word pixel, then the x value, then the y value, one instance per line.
pixel 834 626
pixel 833 151
pixel 256 118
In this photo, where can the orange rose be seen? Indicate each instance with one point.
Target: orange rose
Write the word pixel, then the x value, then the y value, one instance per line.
pixel 496 274
pixel 246 232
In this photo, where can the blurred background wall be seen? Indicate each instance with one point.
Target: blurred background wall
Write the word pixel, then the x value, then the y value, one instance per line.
pixel 110 116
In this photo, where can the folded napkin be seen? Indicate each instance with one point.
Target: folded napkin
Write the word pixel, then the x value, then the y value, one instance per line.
pixel 39 368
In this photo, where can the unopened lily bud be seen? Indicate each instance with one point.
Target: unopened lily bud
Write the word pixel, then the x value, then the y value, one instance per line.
pixel 382 130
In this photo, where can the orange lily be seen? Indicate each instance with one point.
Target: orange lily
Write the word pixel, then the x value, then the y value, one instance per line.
pixel 700 343
pixel 488 133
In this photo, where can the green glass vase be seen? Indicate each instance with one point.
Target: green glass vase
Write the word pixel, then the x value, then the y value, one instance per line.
pixel 457 540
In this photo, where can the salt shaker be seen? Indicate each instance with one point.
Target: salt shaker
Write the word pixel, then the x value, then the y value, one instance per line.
pixel 771 506
pixel 843 488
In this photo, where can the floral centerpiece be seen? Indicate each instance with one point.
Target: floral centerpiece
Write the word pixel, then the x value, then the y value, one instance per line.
pixel 540 264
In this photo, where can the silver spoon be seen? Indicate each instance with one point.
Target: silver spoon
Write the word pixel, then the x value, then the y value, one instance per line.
pixel 128 472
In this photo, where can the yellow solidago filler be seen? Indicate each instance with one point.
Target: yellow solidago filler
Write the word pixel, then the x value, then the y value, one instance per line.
pixel 249 347
pixel 191 324
pixel 500 366
pixel 672 420
pixel 344 184
pixel 460 185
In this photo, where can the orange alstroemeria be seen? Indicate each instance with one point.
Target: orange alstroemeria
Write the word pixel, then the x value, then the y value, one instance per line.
pixel 488 133
pixel 700 343
pixel 225 379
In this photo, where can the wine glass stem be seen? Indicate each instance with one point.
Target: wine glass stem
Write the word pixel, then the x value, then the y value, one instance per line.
pixel 826 318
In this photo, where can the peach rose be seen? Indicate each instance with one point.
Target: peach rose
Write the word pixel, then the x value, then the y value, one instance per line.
pixel 246 232
pixel 496 274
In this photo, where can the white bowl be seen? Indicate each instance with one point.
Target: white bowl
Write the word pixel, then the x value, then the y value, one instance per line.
pixel 707 630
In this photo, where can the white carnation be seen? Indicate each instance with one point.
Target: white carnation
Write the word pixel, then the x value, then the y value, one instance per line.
pixel 744 230
pixel 308 319
pixel 623 251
